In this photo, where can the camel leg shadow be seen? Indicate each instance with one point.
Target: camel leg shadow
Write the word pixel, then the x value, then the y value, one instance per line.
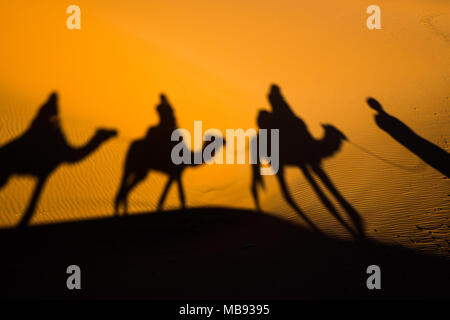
pixel 33 202
pixel 164 194
pixel 325 201
pixel 166 191
pixel 256 179
pixel 352 213
pixel 287 196
pixel 181 193
pixel 129 182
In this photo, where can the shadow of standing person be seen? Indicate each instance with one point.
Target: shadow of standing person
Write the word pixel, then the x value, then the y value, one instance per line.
pixel 436 157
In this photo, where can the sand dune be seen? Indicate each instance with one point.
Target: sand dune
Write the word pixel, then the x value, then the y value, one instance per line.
pixel 321 55
pixel 209 253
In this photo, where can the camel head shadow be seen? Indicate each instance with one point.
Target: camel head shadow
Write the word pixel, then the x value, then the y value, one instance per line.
pixel 330 143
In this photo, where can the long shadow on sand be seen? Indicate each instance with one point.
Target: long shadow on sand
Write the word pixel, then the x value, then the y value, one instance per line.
pixel 207 253
pixel 430 153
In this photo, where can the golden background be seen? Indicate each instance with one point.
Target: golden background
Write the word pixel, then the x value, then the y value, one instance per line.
pixel 215 61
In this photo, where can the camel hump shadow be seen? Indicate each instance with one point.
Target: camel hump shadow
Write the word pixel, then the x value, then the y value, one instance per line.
pixel 41 149
pixel 154 153
pixel 430 153
pixel 299 148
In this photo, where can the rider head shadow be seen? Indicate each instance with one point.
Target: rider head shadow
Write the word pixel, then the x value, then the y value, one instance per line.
pixel 434 156
pixel 299 148
pixel 41 149
pixel 153 153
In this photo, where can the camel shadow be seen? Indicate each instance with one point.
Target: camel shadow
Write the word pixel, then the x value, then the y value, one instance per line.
pixel 434 156
pixel 41 149
pixel 154 152
pixel 300 149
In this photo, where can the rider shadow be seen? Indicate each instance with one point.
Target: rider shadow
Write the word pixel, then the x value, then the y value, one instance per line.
pixel 299 148
pixel 41 149
pixel 154 153
pixel 434 156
